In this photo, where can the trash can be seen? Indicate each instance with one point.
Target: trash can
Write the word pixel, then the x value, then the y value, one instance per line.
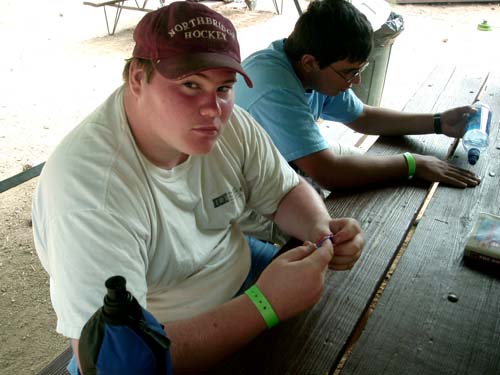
pixel 387 25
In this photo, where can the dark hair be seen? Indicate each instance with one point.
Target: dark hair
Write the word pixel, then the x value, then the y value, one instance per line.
pixel 147 65
pixel 331 30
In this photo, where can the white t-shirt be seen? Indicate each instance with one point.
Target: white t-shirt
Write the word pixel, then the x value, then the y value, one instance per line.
pixel 102 209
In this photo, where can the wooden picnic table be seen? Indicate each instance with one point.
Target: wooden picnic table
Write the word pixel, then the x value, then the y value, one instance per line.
pixel 391 314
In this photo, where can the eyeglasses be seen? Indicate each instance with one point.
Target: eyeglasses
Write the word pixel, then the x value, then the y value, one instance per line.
pixel 354 76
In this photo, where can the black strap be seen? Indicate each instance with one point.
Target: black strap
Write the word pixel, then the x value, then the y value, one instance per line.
pixel 438 129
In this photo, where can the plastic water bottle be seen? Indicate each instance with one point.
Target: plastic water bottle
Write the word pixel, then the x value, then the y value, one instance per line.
pixel 475 139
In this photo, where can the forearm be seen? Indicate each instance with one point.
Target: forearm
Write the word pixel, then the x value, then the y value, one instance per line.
pixel 201 342
pixel 335 172
pixel 302 213
pixel 383 121
pixel 361 171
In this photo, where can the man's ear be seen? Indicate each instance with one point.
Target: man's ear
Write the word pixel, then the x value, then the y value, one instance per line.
pixel 309 63
pixel 136 75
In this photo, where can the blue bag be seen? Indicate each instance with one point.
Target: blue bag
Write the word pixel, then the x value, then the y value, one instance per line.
pixel 123 338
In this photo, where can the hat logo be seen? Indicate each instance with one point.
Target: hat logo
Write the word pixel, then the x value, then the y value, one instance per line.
pixel 205 34
pixel 195 22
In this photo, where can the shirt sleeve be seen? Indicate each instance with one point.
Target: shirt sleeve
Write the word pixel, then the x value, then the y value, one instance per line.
pixel 268 176
pixel 345 107
pixel 287 118
pixel 81 262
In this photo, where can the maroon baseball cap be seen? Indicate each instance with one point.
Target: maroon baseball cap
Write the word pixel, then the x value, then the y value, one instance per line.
pixel 184 38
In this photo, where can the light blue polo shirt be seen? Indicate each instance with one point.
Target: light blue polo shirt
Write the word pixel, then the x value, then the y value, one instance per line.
pixel 280 104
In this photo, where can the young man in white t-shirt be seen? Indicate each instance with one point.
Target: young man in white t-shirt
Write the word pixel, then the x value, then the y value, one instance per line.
pixel 151 186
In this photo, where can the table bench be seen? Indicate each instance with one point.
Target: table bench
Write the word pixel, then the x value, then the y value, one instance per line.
pixel 142 6
pixel 390 314
pixel 139 5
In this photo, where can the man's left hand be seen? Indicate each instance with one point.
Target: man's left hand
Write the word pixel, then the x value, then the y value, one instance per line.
pixel 348 243
pixel 453 121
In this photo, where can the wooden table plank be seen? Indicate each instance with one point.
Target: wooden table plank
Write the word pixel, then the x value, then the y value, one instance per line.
pixel 314 342
pixel 415 329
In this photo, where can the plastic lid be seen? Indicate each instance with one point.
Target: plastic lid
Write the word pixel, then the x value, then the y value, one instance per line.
pixel 377 11
pixel 483 26
pixel 473 155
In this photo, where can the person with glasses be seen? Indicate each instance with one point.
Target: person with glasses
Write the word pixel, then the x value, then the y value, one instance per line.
pixel 309 75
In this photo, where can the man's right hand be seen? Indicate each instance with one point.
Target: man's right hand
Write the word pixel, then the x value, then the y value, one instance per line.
pixel 294 281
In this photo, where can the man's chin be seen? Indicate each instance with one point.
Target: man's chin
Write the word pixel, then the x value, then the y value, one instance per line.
pixel 202 149
pixel 334 92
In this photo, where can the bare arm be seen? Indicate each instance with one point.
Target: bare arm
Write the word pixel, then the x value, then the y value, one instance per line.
pixel 204 340
pixel 383 121
pixel 302 213
pixel 333 172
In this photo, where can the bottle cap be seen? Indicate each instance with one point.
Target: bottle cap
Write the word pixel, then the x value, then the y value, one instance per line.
pixel 483 26
pixel 473 155
pixel 116 286
pixel 119 304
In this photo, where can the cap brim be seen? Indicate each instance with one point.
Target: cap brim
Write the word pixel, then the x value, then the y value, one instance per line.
pixel 178 67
